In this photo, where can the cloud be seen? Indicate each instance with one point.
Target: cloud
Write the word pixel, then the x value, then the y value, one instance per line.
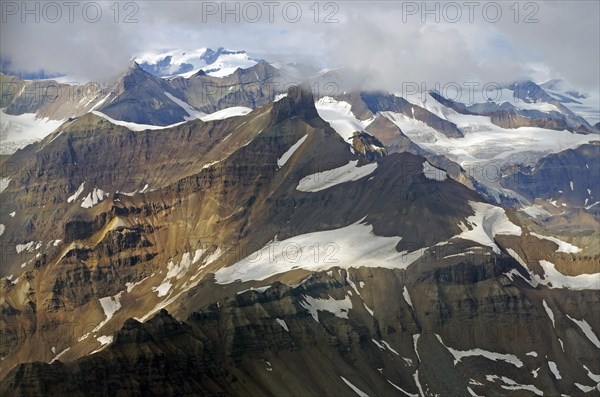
pixel 383 43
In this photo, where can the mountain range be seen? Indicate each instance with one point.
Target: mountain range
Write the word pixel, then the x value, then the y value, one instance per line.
pixel 202 227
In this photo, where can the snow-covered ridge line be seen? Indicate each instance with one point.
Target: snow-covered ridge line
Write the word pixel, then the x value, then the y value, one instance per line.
pixel 194 115
pixel 134 126
pixel 338 308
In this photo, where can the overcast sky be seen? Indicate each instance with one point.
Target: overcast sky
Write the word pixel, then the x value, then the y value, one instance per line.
pixel 385 43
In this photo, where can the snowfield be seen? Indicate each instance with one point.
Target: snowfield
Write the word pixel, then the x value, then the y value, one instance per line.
pixel 326 179
pixel 562 245
pixel 339 115
pixel 338 308
pixel 486 148
pixel 554 279
pixel 227 113
pixel 347 247
pixel 16 132
pixel 134 126
pixel 487 222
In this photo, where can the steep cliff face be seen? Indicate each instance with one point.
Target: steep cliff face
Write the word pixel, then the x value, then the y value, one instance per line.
pixel 566 177
pixel 291 261
pixel 452 328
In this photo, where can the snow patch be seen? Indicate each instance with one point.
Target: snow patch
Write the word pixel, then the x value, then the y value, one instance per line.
pixel 110 305
pixel 130 286
pixel 402 390
pixel 407 297
pixel 162 289
pixel 134 126
pixel 30 246
pixel 283 324
pixel 339 115
pixel 387 345
pixel 338 308
pixel 227 64
pixel 510 384
pixel 460 354
pixel 472 393
pixel 562 245
pixel 178 270
pixel 487 222
pixel 194 114
pixel 75 195
pixel 59 355
pixel 290 152
pixel 93 198
pixel 554 370
pixel 105 340
pixel 549 312
pixel 584 388
pixel 354 388
pixel 587 330
pixel 226 113
pixel 535 211
pixel 352 246
pixel 256 289
pixel 554 279
pixel 326 179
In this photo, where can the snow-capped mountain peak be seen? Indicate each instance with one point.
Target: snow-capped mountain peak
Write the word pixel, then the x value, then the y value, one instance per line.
pixel 219 63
